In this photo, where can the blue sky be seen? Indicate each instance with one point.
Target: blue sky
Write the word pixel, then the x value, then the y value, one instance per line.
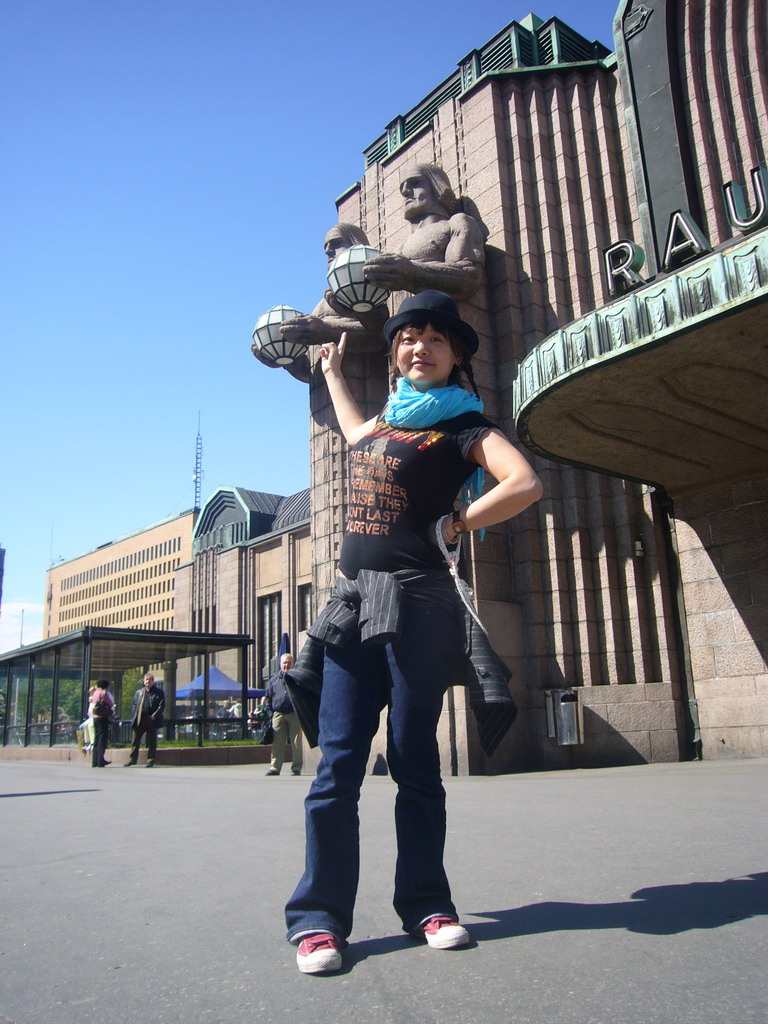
pixel 170 168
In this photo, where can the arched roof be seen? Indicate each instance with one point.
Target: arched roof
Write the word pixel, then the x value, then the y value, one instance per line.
pixel 235 515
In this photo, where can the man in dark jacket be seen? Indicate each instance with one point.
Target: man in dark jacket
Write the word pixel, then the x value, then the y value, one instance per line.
pixel 147 712
pixel 285 721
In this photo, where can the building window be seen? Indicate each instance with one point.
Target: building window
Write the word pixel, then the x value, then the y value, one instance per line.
pixel 269 634
pixel 304 602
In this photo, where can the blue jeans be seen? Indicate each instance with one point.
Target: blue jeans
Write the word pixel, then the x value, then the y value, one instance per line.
pixel 409 675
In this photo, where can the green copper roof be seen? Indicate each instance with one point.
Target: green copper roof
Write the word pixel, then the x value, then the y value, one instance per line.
pixel 522 46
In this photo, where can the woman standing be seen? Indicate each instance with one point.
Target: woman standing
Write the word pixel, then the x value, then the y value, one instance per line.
pixel 407 469
pixel 86 726
pixel 102 708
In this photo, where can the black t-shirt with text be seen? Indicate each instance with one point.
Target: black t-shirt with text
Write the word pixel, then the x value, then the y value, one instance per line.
pixel 401 480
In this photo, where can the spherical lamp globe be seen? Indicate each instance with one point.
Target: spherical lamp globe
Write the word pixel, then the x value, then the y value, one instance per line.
pixel 346 280
pixel 269 343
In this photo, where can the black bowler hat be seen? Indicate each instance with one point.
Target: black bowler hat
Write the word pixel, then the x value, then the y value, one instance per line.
pixel 431 307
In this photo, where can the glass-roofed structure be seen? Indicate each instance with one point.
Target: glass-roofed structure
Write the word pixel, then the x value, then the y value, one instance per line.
pixel 44 686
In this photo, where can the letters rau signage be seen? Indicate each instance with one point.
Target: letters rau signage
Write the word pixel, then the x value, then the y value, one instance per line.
pixel 685 241
pixel 654 39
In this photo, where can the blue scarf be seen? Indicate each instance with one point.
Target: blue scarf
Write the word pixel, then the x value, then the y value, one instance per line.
pixel 414 409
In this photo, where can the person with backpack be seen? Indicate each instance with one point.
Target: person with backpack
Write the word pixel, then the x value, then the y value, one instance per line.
pixel 102 708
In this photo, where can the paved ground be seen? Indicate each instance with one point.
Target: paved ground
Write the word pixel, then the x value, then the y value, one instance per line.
pixel 619 896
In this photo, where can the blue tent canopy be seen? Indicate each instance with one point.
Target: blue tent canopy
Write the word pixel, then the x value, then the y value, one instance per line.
pixel 219 685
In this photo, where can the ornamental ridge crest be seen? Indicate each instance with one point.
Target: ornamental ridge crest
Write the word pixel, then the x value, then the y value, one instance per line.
pixel 636 20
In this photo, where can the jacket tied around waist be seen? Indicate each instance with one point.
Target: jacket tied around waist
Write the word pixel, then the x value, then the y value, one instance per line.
pixel 370 609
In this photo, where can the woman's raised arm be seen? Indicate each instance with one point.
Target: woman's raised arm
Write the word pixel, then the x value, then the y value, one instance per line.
pixel 353 425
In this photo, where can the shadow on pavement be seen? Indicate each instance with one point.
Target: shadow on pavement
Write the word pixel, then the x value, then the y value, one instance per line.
pixel 359 951
pixel 659 910
pixel 48 792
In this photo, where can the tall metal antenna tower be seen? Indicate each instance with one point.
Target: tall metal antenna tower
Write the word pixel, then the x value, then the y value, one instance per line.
pixel 198 474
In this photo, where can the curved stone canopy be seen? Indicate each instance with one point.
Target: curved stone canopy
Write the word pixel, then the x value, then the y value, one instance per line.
pixel 666 385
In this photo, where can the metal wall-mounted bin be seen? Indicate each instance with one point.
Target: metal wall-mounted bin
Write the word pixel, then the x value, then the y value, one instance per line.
pixel 565 715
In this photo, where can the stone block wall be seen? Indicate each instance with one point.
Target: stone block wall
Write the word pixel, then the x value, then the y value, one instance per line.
pixel 183 598
pixel 722 75
pixel 722 536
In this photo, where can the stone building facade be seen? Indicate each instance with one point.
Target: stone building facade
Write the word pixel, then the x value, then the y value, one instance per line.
pixel 673 371
pixel 250 573
pixel 645 594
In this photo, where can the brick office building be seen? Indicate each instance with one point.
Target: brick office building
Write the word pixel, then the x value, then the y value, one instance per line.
pixel 619 316
pixel 128 583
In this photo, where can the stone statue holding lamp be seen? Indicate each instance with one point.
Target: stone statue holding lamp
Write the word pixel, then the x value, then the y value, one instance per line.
pixel 445 249
pixel 329 320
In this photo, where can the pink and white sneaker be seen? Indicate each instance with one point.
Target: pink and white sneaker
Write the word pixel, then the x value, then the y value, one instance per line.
pixel 442 932
pixel 319 954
